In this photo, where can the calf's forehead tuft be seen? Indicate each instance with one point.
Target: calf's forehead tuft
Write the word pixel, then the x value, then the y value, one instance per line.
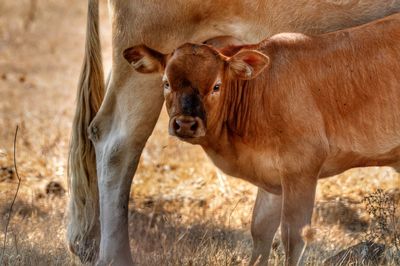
pixel 198 64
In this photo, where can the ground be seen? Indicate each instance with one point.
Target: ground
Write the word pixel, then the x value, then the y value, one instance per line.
pixel 182 209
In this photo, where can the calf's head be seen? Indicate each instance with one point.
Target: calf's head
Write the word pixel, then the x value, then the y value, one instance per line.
pixel 196 82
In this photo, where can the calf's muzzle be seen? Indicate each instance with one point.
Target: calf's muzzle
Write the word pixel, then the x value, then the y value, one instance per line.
pixel 186 127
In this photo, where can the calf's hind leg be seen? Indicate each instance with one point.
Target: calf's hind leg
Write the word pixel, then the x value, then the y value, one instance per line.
pixel 265 222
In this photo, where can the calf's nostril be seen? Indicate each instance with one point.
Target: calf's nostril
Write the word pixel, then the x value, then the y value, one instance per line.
pixel 176 125
pixel 193 127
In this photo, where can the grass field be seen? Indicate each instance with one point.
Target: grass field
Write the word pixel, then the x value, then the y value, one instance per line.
pixel 183 211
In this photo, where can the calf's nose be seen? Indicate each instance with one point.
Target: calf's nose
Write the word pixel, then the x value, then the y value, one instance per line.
pixel 185 126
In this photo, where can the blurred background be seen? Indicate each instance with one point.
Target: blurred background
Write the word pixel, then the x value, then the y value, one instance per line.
pixel 182 209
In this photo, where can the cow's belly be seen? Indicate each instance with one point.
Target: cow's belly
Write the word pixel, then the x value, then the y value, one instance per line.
pixel 255 167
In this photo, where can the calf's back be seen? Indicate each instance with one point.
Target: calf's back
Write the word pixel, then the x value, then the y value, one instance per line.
pixel 343 87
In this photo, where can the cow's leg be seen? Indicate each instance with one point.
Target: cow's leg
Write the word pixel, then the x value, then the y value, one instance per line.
pixel 119 132
pixel 297 208
pixel 265 222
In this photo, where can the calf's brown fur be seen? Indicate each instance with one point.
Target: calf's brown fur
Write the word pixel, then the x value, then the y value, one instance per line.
pixel 287 111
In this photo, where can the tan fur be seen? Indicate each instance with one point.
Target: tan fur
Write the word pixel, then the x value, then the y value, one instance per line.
pixel 133 101
pixel 83 227
pixel 295 108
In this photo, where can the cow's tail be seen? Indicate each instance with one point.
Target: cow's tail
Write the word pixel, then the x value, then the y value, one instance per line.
pixel 83 217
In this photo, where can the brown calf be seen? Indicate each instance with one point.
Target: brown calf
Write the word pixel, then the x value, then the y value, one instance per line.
pixel 104 156
pixel 287 111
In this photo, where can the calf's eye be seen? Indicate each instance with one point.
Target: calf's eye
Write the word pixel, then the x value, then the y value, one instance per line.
pixel 216 87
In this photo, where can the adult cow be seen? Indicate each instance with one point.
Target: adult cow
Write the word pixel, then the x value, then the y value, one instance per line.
pixel 122 116
pixel 287 111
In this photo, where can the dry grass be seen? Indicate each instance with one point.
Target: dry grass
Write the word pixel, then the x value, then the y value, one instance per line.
pixel 183 211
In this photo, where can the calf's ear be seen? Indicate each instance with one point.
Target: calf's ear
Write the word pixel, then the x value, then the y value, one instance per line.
pixel 247 64
pixel 144 59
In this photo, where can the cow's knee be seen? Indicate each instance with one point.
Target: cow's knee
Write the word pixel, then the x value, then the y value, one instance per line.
pixel 117 147
pixel 94 132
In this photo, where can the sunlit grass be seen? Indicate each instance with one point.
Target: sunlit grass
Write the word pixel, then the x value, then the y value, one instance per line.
pixel 182 210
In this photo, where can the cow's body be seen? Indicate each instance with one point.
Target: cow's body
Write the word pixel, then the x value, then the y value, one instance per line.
pixel 288 111
pixel 131 105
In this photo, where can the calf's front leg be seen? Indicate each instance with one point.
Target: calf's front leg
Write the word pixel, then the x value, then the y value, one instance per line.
pixel 297 208
pixel 265 222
